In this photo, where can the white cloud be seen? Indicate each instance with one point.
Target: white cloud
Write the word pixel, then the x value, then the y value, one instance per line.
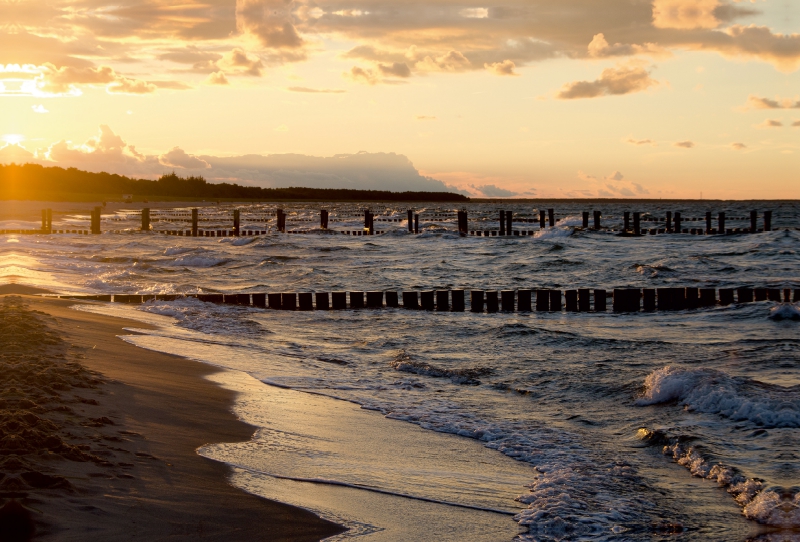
pixel 39 109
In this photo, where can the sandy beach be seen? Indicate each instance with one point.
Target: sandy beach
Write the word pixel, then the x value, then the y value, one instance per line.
pixel 98 438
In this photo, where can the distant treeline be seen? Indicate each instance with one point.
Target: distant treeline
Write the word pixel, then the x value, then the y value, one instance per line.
pixel 36 182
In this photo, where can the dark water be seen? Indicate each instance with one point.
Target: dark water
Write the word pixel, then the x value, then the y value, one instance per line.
pixel 679 425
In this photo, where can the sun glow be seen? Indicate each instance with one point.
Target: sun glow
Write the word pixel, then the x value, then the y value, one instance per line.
pixel 13 139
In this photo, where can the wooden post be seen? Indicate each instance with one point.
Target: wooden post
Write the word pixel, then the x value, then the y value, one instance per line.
pixel 678 222
pixel 260 300
pixel 745 295
pixel 427 300
pixel 507 300
pixel 692 297
pixel 194 222
pixel 322 300
pixel 637 224
pixel 524 300
pixel 356 300
pixel 374 300
pixel 366 220
pixel 457 300
pixel 669 222
pixel 44 220
pixel 708 297
pixel 476 300
pixel 410 221
pixel 236 223
pixel 708 222
pixel 726 296
pixel 584 303
pixel 599 301
pixel 392 300
pixel 542 219
pixel 721 229
pixel 571 297
pixel 767 220
pixel 509 223
pixel 555 300
pixel 753 221
pixel 774 294
pixel 597 216
pixel 491 301
pixel 760 294
pixel 410 300
pixel 146 219
pixel 551 217
pixel 585 220
pixel 323 219
pixel 542 300
pixel 627 220
pixel 416 223
pixel 787 295
pixel 289 301
pixel 442 300
pixel 339 300
pixel 502 222
pixel 49 228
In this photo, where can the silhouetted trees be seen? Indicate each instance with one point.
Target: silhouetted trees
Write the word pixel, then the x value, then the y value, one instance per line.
pixel 33 181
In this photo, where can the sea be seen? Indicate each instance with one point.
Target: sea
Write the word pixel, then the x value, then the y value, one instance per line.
pixel 416 425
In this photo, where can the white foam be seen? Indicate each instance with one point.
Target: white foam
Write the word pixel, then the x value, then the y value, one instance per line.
pixel 785 311
pixel 715 392
pixel 553 233
pixel 174 250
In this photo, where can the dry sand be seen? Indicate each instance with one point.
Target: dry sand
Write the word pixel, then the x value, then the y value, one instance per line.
pixel 98 438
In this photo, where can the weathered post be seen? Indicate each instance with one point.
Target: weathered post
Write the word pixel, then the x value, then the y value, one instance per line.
pixel 597 216
pixel 571 297
pixel 410 300
pixel 555 300
pixel 745 295
pixel 366 221
pixel 491 301
pixel 236 223
pixel 677 222
pixel 44 220
pixel 392 300
pixel 542 219
pixel 584 303
pixel 649 299
pixel 551 217
pixel 49 227
pixel 356 300
pixel 726 296
pixel 502 223
pixel 708 297
pixel 753 221
pixel 457 300
pixel 476 300
pixel 509 223
pixel 374 300
pixel 721 229
pixel 410 221
pixel 323 219
pixel 416 223
pixel 442 300
pixel 637 224
pixel 692 297
pixel 627 221
pixel 194 222
pixel 767 220
pixel 585 220
pixel 339 301
pixel 524 301
pixel 668 225
pixel 708 222
pixel 260 300
pixel 507 300
pixel 146 219
pixel 289 301
pixel 542 300
pixel 599 301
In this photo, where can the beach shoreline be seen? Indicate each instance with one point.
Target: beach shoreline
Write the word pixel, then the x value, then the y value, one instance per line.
pixel 139 420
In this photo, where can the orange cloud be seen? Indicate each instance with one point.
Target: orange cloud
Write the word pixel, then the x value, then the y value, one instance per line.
pixel 613 81
pixel 685 14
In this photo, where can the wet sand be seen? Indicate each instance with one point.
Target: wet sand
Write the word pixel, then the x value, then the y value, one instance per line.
pixel 98 437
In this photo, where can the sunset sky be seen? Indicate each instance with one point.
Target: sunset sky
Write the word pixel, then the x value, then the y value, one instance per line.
pixel 534 98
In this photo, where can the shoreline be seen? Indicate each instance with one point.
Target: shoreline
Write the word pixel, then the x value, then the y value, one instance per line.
pixel 148 415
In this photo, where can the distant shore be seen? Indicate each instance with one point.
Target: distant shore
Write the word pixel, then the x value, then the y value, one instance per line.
pixel 119 427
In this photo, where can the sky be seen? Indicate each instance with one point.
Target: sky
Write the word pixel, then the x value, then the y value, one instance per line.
pixel 497 98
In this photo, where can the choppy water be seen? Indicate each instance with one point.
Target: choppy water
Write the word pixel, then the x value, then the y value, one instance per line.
pixel 629 427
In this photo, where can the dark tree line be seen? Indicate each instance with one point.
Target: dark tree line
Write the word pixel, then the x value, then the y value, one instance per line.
pixel 29 180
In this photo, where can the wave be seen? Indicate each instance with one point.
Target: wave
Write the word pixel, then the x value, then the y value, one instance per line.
pixel 197 261
pixel 714 392
pixel 785 311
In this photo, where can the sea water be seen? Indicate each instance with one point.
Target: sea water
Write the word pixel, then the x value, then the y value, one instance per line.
pixel 676 425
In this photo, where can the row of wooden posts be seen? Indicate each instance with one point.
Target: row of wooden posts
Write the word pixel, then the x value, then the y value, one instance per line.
pixel 673 223
pixel 542 300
